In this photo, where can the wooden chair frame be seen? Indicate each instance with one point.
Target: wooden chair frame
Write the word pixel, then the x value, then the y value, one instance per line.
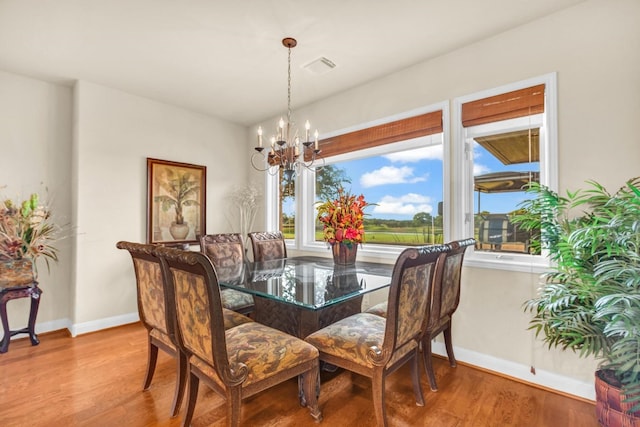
pixel 398 346
pixel 166 327
pixel 445 297
pixel 230 374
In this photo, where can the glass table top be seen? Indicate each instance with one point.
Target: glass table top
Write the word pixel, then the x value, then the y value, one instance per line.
pixel 312 282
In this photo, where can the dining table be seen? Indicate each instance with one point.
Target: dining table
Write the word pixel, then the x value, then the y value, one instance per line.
pixel 300 295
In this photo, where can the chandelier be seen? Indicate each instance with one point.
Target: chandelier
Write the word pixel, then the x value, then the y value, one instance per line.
pixel 288 151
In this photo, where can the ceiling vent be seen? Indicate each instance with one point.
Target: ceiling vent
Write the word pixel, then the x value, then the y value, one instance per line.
pixel 320 65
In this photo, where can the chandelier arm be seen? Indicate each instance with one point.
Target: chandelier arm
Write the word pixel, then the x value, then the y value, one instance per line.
pixel 286 153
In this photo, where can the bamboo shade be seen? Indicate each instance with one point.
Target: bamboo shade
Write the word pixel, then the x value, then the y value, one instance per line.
pixel 387 133
pixel 510 105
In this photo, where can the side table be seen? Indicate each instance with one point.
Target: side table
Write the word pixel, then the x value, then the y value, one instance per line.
pixel 32 291
pixel 18 281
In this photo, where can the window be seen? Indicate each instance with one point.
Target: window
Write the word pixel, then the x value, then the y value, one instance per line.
pixel 403 180
pixel 507 139
pixel 398 164
pixel 504 138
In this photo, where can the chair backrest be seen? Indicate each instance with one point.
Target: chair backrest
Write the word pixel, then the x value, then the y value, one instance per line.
pixel 408 303
pixel 195 294
pixel 226 252
pixel 152 302
pixel 268 245
pixel 223 249
pixel 446 292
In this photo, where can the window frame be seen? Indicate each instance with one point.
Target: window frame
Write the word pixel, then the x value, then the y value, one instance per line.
pixel 463 165
pixel 305 187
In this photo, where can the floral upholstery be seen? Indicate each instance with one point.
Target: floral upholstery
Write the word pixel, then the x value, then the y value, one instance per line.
pixel 237 362
pixel 444 302
pixel 269 250
pixel 224 254
pixel 379 309
pixel 413 299
pixel 233 318
pixel 264 350
pixel 373 345
pixel 161 336
pixel 154 312
pixel 192 312
pixel 268 245
pixel 151 294
pixel 236 300
pixel 451 283
pixel 351 338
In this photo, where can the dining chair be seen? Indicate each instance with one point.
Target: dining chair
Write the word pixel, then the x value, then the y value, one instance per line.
pixel 238 362
pixel 374 346
pixel 268 245
pixel 158 316
pixel 155 315
pixel 226 252
pixel 445 298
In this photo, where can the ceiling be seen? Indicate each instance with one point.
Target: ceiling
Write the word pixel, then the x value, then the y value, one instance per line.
pixel 226 59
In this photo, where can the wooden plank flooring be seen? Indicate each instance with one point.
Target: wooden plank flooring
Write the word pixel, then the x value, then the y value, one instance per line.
pixel 96 380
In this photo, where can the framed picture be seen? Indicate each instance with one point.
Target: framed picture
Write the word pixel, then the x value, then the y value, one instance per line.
pixel 176 205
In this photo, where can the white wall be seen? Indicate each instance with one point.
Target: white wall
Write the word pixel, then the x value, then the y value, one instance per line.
pixel 88 146
pixel 35 147
pixel 594 49
pixel 114 134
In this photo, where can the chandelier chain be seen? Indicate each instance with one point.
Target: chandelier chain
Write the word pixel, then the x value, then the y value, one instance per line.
pixel 289 88
pixel 290 153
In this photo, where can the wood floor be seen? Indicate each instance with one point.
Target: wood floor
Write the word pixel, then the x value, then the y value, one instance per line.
pixel 96 380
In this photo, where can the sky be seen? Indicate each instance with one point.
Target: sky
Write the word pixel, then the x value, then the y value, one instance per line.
pixel 405 183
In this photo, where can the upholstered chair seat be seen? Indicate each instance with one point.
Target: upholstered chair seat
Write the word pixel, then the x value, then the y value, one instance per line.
pixel 444 300
pixel 237 362
pixel 378 309
pixel 158 316
pixel 375 346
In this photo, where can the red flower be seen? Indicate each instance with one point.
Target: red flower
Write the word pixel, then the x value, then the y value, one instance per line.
pixel 343 218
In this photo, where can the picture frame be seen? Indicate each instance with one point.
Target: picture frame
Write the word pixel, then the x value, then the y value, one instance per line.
pixel 176 202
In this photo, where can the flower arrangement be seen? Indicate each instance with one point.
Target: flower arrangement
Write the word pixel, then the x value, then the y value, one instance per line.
pixel 245 200
pixel 26 230
pixel 343 218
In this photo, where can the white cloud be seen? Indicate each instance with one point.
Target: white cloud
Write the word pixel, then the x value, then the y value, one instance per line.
pixel 433 152
pixel 479 169
pixel 390 175
pixel 408 204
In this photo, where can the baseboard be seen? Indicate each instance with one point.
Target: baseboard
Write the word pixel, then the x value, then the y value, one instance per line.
pixel 53 325
pixel 517 371
pixel 109 322
pixel 83 328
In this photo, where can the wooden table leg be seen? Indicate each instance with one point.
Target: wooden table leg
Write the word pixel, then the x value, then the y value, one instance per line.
pixel 33 313
pixel 4 345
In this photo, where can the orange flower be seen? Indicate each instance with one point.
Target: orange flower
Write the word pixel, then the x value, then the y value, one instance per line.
pixel 343 218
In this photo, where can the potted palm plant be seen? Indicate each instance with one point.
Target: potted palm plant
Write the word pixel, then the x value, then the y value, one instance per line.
pixel 181 188
pixel 590 301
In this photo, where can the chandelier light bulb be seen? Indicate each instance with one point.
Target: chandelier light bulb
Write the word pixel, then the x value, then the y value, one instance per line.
pixel 287 154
